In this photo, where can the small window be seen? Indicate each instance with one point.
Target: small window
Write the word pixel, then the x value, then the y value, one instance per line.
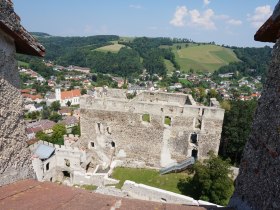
pixel 194 138
pixel 66 174
pixel 99 126
pixel 48 166
pixel 113 144
pixel 92 144
pixel 146 118
pixel 167 121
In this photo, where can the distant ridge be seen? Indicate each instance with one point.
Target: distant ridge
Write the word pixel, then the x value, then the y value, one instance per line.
pixel 40 34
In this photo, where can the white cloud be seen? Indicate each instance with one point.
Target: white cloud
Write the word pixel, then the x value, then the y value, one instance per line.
pixel 260 15
pixel 234 22
pixel 179 16
pixel 204 20
pixel 206 2
pixel 135 6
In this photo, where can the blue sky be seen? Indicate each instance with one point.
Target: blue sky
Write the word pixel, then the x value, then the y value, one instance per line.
pixel 230 22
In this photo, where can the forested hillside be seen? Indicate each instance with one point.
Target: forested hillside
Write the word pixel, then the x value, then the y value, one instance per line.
pixel 254 61
pixel 128 57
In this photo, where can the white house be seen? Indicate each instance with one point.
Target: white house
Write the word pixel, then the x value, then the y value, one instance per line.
pixel 63 97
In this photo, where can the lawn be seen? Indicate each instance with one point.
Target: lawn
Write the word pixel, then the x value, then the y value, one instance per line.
pixel 114 48
pixel 203 57
pixel 23 64
pixel 170 67
pixel 149 177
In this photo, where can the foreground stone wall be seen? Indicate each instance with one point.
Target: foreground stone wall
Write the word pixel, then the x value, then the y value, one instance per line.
pixel 15 163
pixel 258 184
pixel 113 129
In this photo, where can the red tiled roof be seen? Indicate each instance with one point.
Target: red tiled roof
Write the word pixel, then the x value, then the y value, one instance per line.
pixel 32 97
pixel 70 94
pixel 30 194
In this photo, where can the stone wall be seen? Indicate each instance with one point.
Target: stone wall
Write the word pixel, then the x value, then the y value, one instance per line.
pixel 15 162
pixel 144 192
pixel 113 129
pixel 258 183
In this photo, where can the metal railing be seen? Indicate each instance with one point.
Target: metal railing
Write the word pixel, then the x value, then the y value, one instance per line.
pixel 178 167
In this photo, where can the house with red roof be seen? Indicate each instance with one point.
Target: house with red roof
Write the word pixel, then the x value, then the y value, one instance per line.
pixel 73 96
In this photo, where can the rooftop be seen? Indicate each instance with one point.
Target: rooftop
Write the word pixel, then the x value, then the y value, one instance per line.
pixel 10 24
pixel 270 31
pixel 30 194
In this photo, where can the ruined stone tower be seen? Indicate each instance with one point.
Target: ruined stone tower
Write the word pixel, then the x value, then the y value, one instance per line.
pixel 258 184
pixel 151 130
pixel 15 161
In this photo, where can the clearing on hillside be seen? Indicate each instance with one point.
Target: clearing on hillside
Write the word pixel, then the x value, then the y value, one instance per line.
pixel 203 57
pixel 114 48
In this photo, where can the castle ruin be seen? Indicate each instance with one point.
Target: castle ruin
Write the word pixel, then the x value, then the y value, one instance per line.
pixel 151 130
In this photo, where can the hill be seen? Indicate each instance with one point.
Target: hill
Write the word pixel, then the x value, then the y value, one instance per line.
pixel 114 48
pixel 203 57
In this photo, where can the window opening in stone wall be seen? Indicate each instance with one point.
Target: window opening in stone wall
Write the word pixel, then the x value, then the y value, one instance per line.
pixel 194 138
pixel 109 130
pixel 194 154
pixel 66 174
pixel 167 120
pixel 92 144
pixel 67 162
pixel 146 118
pixel 161 109
pixel 51 179
pixel 198 123
pixel 99 126
pixel 48 166
pixel 113 144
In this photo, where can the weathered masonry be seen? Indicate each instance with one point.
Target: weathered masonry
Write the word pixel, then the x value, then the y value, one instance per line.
pixel 151 130
pixel 257 186
pixel 15 163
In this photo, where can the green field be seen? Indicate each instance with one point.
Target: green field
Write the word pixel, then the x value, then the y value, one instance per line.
pixel 149 177
pixel 23 64
pixel 203 57
pixel 114 48
pixel 170 67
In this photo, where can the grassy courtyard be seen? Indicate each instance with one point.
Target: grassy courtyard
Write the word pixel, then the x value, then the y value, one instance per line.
pixel 149 177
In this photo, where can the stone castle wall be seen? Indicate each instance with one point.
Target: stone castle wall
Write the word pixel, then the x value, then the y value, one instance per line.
pixel 113 128
pixel 257 185
pixel 15 162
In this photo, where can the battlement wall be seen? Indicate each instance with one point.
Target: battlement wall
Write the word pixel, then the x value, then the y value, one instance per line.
pixel 151 107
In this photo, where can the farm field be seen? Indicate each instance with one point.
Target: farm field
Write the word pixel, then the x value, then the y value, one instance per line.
pixel 114 48
pixel 203 57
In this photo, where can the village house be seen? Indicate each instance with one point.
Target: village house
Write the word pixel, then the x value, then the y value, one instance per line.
pixel 73 96
pixel 69 122
pixel 119 80
pixel 42 125
pixel 79 69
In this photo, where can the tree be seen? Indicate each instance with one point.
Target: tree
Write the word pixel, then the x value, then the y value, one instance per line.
pixel 42 136
pixel 83 91
pixel 55 106
pixel 59 131
pixel 76 130
pixel 236 129
pixel 211 181
pixel 68 103
pixel 55 117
